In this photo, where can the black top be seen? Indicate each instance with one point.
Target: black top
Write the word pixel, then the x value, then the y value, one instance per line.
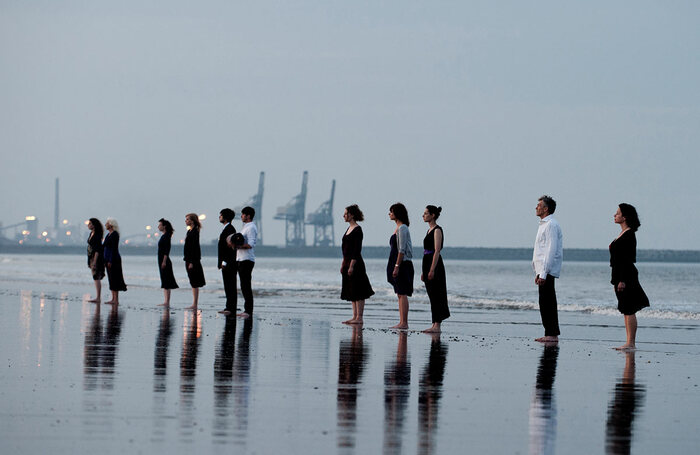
pixel 94 246
pixel 623 255
pixel 164 245
pixel 193 252
pixel 225 252
pixel 429 240
pixel 352 245
pixel 111 247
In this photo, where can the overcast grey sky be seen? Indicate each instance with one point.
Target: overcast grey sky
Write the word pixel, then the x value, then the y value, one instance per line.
pixel 155 109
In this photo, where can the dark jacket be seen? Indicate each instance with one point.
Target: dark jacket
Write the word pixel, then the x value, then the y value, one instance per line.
pixel 193 252
pixel 225 252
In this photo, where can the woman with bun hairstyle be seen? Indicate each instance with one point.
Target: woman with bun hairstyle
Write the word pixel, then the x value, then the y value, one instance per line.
pixel 399 269
pixel 193 257
pixel 625 278
pixel 356 286
pixel 113 260
pixel 165 265
pixel 433 269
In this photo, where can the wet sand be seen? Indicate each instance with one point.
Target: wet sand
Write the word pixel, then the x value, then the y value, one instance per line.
pixel 78 377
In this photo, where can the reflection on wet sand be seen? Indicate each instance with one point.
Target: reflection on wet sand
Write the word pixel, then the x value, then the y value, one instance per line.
pixel 223 381
pixel 543 411
pixel 397 389
pixel 160 368
pixel 625 405
pixel 429 394
pixel 352 359
pixel 191 332
pixel 99 362
pixel 241 382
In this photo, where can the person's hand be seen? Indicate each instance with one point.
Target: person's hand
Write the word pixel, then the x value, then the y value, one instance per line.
pixel 162 266
pixel 422 278
pixel 539 281
pixel 431 275
pixel 109 266
pixel 350 269
pixel 620 286
pixel 395 273
pixel 190 266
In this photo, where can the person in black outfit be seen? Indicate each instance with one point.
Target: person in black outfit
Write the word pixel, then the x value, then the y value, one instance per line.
pixel 433 269
pixel 227 260
pixel 95 256
pixel 165 265
pixel 113 261
pixel 625 278
pixel 356 286
pixel 193 257
pixel 399 269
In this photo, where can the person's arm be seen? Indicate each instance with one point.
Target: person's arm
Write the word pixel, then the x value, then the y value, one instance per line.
pixel 166 252
pixel 401 243
pixel 552 245
pixel 436 255
pixel 251 238
pixel 628 252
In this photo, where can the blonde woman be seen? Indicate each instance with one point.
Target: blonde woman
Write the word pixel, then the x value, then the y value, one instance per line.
pixel 193 257
pixel 113 261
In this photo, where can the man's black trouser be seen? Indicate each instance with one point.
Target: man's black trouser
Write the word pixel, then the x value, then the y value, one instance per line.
pixel 245 272
pixel 548 307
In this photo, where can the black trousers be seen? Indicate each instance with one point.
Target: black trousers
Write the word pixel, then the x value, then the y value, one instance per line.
pixel 245 272
pixel 228 274
pixel 548 307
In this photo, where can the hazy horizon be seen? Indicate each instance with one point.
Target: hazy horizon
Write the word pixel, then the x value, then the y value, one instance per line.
pixel 155 110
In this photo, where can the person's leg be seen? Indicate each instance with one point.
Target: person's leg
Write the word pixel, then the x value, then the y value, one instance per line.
pixel 166 295
pixel 195 299
pixel 548 310
pixel 631 329
pixel 245 272
pixel 98 292
pixel 228 274
pixel 403 312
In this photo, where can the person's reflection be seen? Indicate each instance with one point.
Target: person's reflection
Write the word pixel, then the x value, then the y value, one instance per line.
pixel 160 364
pixel 223 378
pixel 100 351
pixel 91 351
pixel 543 411
pixel 397 389
pixel 241 380
pixel 352 359
pixel 626 403
pixel 191 331
pixel 429 394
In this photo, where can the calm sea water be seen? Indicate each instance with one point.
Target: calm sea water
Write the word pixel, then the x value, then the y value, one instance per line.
pixel 673 289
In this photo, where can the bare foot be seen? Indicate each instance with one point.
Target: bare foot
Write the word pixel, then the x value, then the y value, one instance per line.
pixel 243 315
pixel 112 302
pixel 225 312
pixel 94 300
pixel 400 326
pixel 432 330
pixel 547 339
pixel 164 304
pixel 349 321
pixel 625 347
pixel 355 322
pixel 192 307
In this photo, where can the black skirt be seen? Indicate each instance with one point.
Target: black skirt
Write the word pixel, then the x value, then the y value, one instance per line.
pixel 356 286
pixel 196 274
pixel 116 276
pixel 631 299
pixel 436 288
pixel 167 277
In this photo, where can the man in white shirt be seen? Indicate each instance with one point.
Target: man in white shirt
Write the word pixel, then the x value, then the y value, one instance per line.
pixel 245 257
pixel 546 260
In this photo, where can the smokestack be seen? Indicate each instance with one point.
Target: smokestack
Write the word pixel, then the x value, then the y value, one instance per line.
pixel 55 209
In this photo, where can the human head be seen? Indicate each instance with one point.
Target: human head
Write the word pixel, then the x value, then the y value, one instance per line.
pixel 97 227
pixel 434 211
pixel 355 212
pixel 400 213
pixel 249 212
pixel 630 215
pixel 111 222
pixel 194 219
pixel 548 204
pixel 226 215
pixel 167 227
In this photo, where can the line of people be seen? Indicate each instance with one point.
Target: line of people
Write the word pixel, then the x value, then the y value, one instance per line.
pixel 236 257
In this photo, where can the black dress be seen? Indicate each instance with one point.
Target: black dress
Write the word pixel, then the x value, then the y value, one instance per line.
pixel 193 255
pixel 114 262
pixel 356 286
pixel 95 257
pixel 623 255
pixel 167 278
pixel 437 287
pixel 403 283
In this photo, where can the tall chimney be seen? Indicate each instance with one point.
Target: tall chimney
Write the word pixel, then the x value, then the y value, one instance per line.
pixel 55 209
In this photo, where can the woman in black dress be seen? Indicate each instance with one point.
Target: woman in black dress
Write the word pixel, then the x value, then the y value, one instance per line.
pixel 95 256
pixel 433 269
pixel 399 269
pixel 623 254
pixel 356 285
pixel 193 257
pixel 113 261
pixel 165 266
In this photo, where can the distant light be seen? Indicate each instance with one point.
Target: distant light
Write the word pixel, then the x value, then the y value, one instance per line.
pixel 68 233
pixel 182 241
pixel 44 233
pixel 30 218
pixel 65 221
pixel 148 236
pixel 126 242
pixel 202 217
pixel 87 222
pixel 148 228
pixel 21 242
pixel 25 232
pixel 48 240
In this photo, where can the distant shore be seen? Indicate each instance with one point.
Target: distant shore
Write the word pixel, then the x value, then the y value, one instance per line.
pixel 373 252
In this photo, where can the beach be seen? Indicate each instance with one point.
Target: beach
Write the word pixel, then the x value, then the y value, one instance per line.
pixel 139 379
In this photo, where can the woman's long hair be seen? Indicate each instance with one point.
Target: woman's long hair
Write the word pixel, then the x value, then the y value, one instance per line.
pixel 630 214
pixel 195 220
pixel 98 230
pixel 168 227
pixel 400 213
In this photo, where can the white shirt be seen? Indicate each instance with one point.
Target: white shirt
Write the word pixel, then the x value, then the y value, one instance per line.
pixel 548 254
pixel 250 234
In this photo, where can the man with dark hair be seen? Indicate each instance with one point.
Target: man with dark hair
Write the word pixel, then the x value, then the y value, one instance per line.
pixel 246 258
pixel 546 260
pixel 227 260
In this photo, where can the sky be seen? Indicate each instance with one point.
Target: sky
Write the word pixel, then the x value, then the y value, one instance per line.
pixel 156 109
